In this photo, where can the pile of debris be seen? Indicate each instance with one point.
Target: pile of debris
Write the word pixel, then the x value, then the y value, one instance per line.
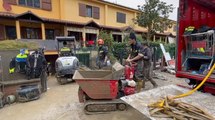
pixel 10 99
pixel 24 93
pixel 179 110
pixel 142 100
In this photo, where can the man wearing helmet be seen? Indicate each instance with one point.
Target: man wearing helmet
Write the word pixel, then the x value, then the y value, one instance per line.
pixel 102 54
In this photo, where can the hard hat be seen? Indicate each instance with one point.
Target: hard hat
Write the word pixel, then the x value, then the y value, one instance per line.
pixel 100 42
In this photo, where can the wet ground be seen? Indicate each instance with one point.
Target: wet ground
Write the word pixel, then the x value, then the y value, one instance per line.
pixel 60 102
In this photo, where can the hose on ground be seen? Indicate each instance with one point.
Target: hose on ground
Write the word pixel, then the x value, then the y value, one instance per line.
pixel 160 103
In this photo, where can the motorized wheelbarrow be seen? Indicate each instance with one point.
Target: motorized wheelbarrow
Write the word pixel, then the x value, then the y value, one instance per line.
pixel 98 90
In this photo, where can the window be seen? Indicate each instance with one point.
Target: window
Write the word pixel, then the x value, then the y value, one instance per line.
pixel 22 2
pixel 78 35
pixel 37 3
pixel 30 3
pixel 121 17
pixel 117 38
pixel 10 32
pixel 89 11
pixel 2 37
pixel 50 34
pixel 31 33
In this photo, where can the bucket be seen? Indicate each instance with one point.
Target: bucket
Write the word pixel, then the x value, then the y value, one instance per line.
pixel 10 99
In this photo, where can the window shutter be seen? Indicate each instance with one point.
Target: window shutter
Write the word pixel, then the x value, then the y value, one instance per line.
pixel 12 2
pixel 2 32
pixel 123 18
pixel 96 12
pixel 120 17
pixel 82 9
pixel 117 17
pixel 46 5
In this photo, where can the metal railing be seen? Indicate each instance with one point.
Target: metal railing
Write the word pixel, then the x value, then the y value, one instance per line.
pixel 200 44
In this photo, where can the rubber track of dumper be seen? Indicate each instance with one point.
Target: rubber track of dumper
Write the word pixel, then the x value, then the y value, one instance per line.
pixel 104 106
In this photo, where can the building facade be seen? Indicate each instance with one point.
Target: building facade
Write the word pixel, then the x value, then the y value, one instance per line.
pixel 46 19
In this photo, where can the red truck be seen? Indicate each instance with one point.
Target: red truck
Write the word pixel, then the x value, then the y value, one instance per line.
pixel 196 42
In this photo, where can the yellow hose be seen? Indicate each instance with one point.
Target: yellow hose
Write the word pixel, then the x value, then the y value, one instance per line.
pixel 196 88
pixel 160 103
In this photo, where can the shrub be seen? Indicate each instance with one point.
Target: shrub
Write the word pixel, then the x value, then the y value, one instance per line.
pixel 108 40
pixel 16 45
pixel 107 37
pixel 120 50
pixel 168 47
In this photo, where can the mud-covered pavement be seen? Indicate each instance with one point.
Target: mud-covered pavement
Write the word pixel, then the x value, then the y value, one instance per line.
pixel 60 102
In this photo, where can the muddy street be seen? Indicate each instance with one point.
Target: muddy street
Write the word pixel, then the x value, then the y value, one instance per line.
pixel 60 102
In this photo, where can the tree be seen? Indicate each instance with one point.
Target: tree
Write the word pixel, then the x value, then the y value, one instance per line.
pixel 154 15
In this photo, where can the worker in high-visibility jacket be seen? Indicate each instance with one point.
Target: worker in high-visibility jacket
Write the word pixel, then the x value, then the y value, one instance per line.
pixel 19 62
pixel 65 51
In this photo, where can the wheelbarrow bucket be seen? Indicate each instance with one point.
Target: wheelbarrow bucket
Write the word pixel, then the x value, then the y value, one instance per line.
pixel 97 84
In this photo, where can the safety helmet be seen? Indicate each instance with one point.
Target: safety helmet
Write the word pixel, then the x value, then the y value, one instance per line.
pixel 100 42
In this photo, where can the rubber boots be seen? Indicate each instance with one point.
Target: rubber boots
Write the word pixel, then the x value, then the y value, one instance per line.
pixel 143 84
pixel 139 85
pixel 154 83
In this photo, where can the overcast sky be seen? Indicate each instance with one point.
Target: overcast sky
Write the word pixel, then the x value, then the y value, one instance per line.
pixel 134 3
